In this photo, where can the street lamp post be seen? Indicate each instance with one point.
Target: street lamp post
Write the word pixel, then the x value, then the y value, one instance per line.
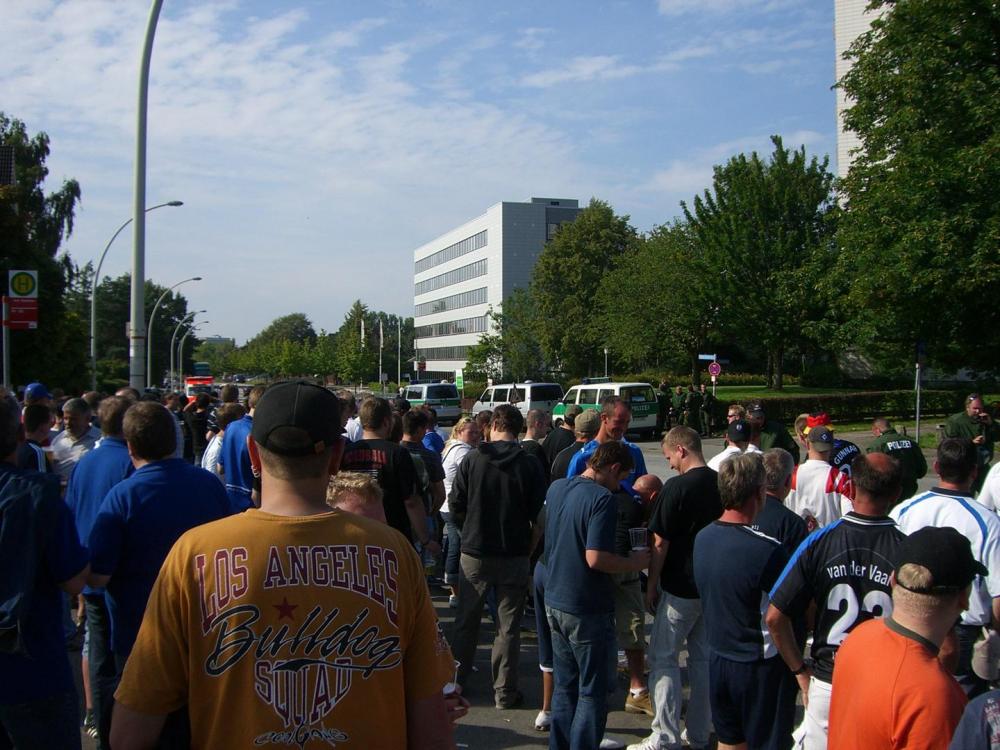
pixel 173 341
pixel 93 292
pixel 605 361
pixel 137 327
pixel 149 330
pixel 180 347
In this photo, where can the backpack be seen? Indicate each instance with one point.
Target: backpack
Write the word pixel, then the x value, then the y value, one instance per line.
pixel 25 515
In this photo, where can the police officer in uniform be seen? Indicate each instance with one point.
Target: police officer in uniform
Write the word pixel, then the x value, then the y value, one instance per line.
pixel 903 449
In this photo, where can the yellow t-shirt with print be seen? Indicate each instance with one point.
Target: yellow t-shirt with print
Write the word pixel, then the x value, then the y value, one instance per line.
pixel 275 631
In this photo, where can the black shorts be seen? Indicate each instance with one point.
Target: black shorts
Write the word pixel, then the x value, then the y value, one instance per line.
pixel 752 702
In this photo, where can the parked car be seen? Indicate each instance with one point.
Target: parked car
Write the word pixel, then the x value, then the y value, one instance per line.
pixel 525 396
pixel 640 397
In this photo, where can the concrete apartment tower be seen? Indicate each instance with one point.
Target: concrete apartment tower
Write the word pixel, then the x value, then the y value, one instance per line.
pixel 460 274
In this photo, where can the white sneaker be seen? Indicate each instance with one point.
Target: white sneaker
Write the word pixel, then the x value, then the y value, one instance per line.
pixel 610 743
pixel 543 721
pixel 650 743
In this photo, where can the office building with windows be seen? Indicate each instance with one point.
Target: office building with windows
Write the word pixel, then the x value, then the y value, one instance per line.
pixel 851 20
pixel 460 274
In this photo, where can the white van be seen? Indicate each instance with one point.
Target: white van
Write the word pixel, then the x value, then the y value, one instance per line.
pixel 640 397
pixel 443 398
pixel 525 396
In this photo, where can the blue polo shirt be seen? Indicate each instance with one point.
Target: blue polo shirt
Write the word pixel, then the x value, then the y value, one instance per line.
pixel 45 672
pixel 578 463
pixel 235 460
pixel 96 473
pixel 138 523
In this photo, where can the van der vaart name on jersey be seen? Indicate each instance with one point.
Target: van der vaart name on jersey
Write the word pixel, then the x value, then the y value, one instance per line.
pixel 854 569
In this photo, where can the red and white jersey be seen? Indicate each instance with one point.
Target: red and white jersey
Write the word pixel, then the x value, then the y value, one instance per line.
pixel 821 491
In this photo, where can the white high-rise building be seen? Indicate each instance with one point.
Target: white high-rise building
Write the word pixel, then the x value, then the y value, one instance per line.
pixel 850 21
pixel 460 274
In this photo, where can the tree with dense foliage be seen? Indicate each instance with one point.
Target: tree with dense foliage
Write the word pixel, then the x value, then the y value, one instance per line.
pixel 294 327
pixel 33 225
pixel 920 234
pixel 510 349
pixel 766 230
pixel 661 302
pixel 565 282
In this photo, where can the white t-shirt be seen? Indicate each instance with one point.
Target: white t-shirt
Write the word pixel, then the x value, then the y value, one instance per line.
pixel 819 490
pixel 210 457
pixel 454 454
pixel 989 495
pixel 939 507
pixel 730 450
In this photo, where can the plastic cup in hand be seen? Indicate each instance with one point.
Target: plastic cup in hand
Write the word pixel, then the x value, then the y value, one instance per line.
pixel 451 687
pixel 639 538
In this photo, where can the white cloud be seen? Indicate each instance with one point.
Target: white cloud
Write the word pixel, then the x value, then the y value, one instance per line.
pixel 682 7
pixel 581 69
pixel 685 178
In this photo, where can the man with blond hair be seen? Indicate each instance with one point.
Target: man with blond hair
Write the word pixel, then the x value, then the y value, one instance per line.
pixel 358 493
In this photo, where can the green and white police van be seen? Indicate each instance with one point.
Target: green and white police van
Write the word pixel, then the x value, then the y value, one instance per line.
pixel 442 397
pixel 525 396
pixel 640 396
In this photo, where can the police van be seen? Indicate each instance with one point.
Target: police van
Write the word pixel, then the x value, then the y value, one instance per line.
pixel 442 397
pixel 640 397
pixel 525 396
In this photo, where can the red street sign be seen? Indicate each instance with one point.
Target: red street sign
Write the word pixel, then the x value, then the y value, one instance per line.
pixel 22 313
pixel 715 369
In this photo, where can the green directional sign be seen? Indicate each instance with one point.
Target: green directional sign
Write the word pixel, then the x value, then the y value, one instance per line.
pixel 459 380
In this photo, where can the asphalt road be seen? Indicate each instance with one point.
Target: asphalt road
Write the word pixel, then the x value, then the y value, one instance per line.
pixel 486 728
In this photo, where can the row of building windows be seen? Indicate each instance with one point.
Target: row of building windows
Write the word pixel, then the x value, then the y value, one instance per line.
pixel 444 352
pixel 454 302
pixel 468 245
pixel 464 273
pixel 450 328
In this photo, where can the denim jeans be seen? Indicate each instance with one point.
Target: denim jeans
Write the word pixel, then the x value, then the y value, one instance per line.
pixel 43 724
pixel 971 683
pixel 103 673
pixel 453 542
pixel 584 658
pixel 678 622
pixel 508 577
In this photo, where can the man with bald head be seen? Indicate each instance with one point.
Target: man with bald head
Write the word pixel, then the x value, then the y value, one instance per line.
pixel 845 569
pixel 646 488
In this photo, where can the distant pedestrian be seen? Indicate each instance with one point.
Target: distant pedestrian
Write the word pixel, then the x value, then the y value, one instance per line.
pixel 904 449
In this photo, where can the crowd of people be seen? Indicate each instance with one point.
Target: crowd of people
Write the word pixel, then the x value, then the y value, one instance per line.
pixel 257 574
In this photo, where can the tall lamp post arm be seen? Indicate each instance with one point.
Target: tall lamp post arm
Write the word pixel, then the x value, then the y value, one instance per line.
pixel 180 348
pixel 149 330
pixel 93 291
pixel 173 340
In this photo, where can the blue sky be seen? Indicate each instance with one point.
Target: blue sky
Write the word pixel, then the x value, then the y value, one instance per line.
pixel 316 144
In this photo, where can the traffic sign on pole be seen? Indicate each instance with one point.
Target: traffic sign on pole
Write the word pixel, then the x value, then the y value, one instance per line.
pixel 714 369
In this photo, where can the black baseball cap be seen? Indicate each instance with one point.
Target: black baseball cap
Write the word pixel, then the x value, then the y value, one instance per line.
pixel 946 553
pixel 821 438
pixel 738 431
pixel 296 418
pixel 756 407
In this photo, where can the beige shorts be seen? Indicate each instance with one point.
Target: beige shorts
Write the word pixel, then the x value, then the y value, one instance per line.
pixel 630 613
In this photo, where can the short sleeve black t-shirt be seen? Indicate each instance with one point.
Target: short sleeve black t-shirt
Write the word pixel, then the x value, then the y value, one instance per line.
pixel 735 567
pixel 560 466
pixel 630 516
pixel 431 459
pixel 534 448
pixel 556 441
pixel 844 451
pixel 392 467
pixel 844 567
pixel 685 506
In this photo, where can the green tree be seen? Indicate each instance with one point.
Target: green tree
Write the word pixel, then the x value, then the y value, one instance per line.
pixel 661 302
pixel 33 225
pixel 565 282
pixel 765 229
pixel 922 225
pixel 218 354
pixel 356 357
pixel 294 327
pixel 510 349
